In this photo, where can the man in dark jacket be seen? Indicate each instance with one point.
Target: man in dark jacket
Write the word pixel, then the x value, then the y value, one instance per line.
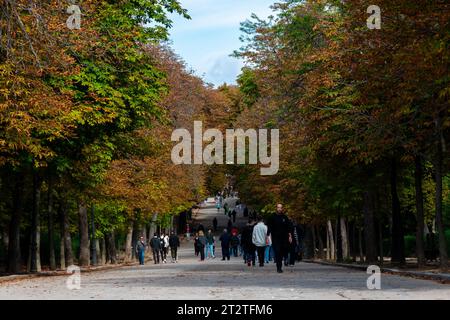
pixel 155 244
pixel 247 244
pixel 280 230
pixel 174 243
pixel 225 242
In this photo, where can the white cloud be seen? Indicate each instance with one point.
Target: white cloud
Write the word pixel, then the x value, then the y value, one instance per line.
pixel 206 41
pixel 214 14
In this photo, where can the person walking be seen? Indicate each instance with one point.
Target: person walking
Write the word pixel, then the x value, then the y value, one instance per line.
pixel 241 251
pixel 293 248
pixel 225 243
pixel 234 243
pixel 210 244
pixel 201 245
pixel 233 213
pixel 140 250
pixel 166 245
pixel 268 251
pixel 155 244
pixel 259 239
pixel 163 248
pixel 279 229
pixel 225 207
pixel 174 243
pixel 215 224
pixel 247 244
pixel 196 246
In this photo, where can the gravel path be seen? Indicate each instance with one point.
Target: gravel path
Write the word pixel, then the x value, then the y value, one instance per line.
pixel 215 279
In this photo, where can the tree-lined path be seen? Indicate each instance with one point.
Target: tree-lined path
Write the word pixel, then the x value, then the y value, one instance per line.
pixel 216 279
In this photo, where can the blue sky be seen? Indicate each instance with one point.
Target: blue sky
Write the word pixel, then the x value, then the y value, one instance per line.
pixel 206 41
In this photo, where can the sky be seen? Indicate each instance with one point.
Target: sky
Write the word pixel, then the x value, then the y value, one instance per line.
pixel 206 41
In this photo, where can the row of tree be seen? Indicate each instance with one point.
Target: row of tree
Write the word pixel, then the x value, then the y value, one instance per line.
pixel 364 122
pixel 85 123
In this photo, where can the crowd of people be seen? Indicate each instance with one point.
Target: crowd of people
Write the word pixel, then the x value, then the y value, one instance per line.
pixel 279 240
pixel 160 246
pixel 259 242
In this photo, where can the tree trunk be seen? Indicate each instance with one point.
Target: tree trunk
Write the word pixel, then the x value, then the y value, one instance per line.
pixel 420 244
pixel 93 238
pixel 438 196
pixel 319 236
pixel 380 241
pixel 397 249
pixel 51 244
pixel 97 248
pixel 65 233
pixel 111 248
pixel 153 225
pixel 369 228
pixel 5 240
pixel 62 256
pixel 313 232
pixel 14 256
pixel 353 246
pixel 360 245
pixel 344 237
pixel 339 248
pixel 103 251
pixel 84 235
pixel 34 258
pixel 328 257
pixel 331 240
pixel 379 221
pixel 128 242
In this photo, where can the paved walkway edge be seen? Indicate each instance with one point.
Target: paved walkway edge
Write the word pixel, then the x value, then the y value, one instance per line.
pixel 440 277
pixel 58 273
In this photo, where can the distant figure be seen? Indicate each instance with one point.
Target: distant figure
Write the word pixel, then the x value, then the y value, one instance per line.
pixel 140 250
pixel 233 213
pixel 166 245
pixel 225 207
pixel 209 245
pixel 196 244
pixel 259 239
pixel 225 243
pixel 215 224
pixel 155 244
pixel 174 243
pixel 201 245
pixel 245 212
pixel 163 249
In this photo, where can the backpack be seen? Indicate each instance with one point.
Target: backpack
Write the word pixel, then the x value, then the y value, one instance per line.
pixel 234 241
